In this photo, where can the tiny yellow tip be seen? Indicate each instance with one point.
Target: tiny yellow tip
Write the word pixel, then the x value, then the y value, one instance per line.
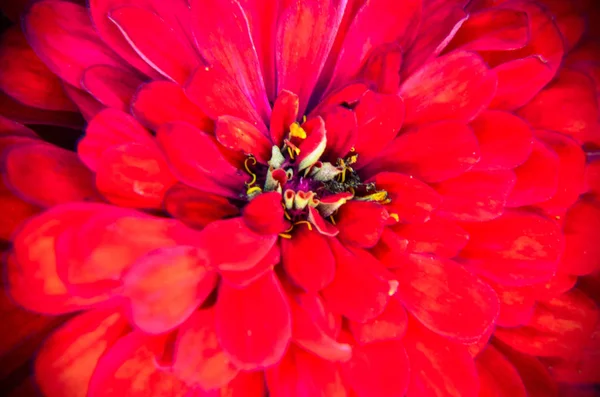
pixel 395 216
pixel 284 235
pixel 297 132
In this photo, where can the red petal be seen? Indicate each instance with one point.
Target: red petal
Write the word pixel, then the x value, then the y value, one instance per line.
pixel 437 236
pixel 475 196
pixel 571 170
pixel 429 353
pixel 411 200
pixel 161 102
pixel 357 271
pixel 312 328
pixel 379 120
pixel 361 223
pixel 432 152
pixel 307 259
pixel 25 114
pixel 505 140
pixel 537 178
pixel 264 214
pixel 165 287
pixel 16 211
pixel 516 305
pixel 237 134
pixel 314 145
pixel 378 369
pixel 519 248
pixel 32 272
pixel 382 67
pixel 582 252
pixel 559 327
pixel 342 131
pixel 245 384
pixel 305 34
pixel 195 208
pixel 87 104
pixel 199 359
pixel 303 374
pixel 320 224
pixel 459 86
pixel 94 255
pixel 494 29
pixel 68 358
pixel 535 377
pixel 389 325
pixel 285 112
pixel 232 49
pixel 156 42
pixel 180 142
pixel 592 177
pixel 24 77
pixel 437 292
pixel 497 376
pixel 111 86
pixel 231 245
pixel 58 177
pixel 217 93
pixel 108 128
pixel 574 94
pixel 58 31
pixel 241 278
pixel 130 368
pixel 253 323
pixel 375 24
pixel 134 175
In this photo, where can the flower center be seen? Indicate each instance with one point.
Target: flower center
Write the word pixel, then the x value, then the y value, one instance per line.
pixel 308 185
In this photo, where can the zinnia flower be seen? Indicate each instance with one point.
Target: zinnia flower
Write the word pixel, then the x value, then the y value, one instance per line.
pixel 306 197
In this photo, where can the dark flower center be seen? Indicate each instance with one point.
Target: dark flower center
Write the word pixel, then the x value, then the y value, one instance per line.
pixel 306 182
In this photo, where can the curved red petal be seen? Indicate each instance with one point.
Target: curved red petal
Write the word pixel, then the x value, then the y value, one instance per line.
pixel 497 376
pixel 389 325
pixel 361 223
pixel 582 252
pixel 111 86
pixel 253 323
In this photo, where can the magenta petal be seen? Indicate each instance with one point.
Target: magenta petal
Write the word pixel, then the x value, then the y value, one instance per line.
pixel 111 86
pixel 305 33
pixel 156 42
pixel 198 358
pixel 437 292
pixel 58 31
pixel 253 323
pixel 231 48
pixel 459 86
pixel 165 287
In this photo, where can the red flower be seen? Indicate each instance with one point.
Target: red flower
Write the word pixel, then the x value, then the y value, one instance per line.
pixel 306 197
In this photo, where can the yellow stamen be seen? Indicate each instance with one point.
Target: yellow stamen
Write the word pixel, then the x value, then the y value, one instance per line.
pixel 253 175
pixel 253 190
pixel 352 149
pixel 297 132
pixel 290 229
pixel 332 219
pixel 287 216
pixel 304 119
pixel 380 197
pixel 291 153
pixel 353 159
pixel 395 216
pixel 305 222
pixel 288 236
